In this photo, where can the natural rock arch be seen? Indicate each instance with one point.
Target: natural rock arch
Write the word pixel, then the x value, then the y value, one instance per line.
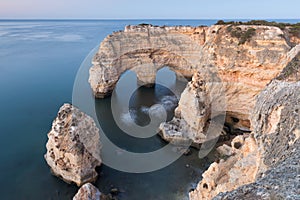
pixel 147 65
pixel 244 68
pixel 145 49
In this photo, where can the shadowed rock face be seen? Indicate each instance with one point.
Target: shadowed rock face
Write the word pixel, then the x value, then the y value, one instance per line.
pixel 245 69
pixel 73 147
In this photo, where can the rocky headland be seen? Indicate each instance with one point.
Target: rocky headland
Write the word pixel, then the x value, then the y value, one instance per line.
pixel 246 74
pixel 241 58
pixel 265 161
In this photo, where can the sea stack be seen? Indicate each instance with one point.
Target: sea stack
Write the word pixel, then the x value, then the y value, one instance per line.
pixel 73 147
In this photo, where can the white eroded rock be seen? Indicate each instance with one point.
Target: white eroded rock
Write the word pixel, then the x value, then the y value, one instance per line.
pixel 73 147
pixel 88 192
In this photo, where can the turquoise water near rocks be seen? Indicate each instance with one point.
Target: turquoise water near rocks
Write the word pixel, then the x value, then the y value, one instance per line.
pixel 38 65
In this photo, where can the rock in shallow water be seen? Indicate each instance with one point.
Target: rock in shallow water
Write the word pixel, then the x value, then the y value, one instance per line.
pixel 199 102
pixel 88 192
pixel 73 147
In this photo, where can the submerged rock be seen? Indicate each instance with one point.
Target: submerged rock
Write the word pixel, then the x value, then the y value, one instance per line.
pixel 73 147
pixel 88 192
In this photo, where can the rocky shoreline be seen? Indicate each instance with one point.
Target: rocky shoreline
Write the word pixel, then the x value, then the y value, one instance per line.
pixel 251 86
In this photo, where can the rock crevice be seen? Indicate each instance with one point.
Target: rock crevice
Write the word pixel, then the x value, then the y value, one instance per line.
pixel 266 166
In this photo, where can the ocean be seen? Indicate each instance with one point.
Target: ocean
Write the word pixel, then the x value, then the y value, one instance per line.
pixel 39 60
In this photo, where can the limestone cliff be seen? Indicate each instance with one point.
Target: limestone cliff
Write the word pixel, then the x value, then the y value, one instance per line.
pixel 242 60
pixel 268 160
pixel 73 147
pixel 245 58
pixel 145 49
pixel 277 130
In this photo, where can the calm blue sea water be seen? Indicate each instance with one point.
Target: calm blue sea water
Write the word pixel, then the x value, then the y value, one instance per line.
pixel 38 64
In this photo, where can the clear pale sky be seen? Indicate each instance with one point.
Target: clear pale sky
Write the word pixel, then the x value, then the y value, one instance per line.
pixel 149 9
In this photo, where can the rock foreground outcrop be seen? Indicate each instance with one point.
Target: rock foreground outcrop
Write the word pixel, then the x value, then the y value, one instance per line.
pixel 266 166
pixel 88 192
pixel 244 67
pixel 73 147
pixel 202 99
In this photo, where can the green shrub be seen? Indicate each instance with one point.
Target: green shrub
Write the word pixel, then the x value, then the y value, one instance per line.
pixel 144 24
pixel 247 35
pixel 240 34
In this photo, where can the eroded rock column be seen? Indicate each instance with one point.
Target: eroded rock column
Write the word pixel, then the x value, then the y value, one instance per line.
pixel 202 100
pixel 73 147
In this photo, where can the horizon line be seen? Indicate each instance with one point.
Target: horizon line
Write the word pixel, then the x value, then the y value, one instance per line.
pixel 149 19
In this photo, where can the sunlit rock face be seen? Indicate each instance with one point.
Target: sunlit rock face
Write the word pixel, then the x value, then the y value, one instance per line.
pixel 265 164
pixel 73 147
pixel 145 49
pixel 245 63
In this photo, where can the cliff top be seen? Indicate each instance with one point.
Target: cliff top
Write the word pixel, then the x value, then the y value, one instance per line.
pixel 294 29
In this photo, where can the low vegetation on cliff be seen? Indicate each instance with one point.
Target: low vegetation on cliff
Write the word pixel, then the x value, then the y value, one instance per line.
pixel 242 35
pixel 293 29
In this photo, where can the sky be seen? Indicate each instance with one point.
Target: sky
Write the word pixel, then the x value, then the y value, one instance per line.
pixel 149 9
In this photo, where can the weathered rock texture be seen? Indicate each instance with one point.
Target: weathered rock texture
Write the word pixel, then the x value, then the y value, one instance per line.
pixel 73 147
pixel 145 49
pixel 202 99
pixel 268 160
pixel 88 192
pixel 237 166
pixel 245 67
pixel 244 59
pixel 281 182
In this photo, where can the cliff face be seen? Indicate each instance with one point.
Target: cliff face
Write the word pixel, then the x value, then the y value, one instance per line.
pixel 245 59
pixel 246 67
pixel 242 60
pixel 277 131
pixel 73 147
pixel 145 49
pixel 268 160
